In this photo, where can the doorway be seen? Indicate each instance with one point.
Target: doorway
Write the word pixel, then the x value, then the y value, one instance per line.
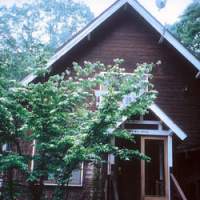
pixel 139 180
pixel 128 173
pixel 155 174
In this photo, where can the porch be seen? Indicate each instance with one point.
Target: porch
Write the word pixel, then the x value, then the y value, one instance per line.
pixel 140 180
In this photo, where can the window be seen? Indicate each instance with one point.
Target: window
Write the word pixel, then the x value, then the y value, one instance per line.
pixel 76 179
pixel 6 148
pixel 118 77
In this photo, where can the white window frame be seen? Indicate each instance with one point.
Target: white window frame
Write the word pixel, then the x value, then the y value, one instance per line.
pixel 6 148
pixel 46 183
pixel 103 91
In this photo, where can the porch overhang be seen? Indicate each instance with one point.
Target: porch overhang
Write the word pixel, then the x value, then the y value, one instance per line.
pixel 168 121
pixel 165 119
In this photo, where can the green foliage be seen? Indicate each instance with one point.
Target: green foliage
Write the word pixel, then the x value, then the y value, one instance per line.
pixel 67 129
pixel 12 161
pixel 66 125
pixel 36 29
pixel 188 28
pixel 13 117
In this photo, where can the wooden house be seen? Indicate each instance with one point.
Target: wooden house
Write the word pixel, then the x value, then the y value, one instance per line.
pixel 169 134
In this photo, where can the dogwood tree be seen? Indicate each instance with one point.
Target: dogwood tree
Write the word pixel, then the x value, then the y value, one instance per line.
pixel 67 125
pixel 60 118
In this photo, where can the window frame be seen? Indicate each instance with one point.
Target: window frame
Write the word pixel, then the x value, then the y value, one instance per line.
pixel 6 148
pixel 46 183
pixel 102 91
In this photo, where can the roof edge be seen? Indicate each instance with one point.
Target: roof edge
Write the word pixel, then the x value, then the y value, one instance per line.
pixel 164 118
pixel 105 15
pixel 81 35
pixel 168 121
pixel 166 34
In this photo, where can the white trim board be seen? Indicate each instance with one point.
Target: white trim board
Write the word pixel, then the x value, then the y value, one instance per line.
pixel 159 113
pixel 165 119
pixel 148 132
pixel 167 35
pixel 170 151
pixel 103 17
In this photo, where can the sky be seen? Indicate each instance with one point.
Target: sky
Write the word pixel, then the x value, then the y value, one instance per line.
pixel 168 15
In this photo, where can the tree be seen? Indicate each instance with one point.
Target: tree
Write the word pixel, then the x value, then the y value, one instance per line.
pixel 67 127
pixel 188 28
pixel 13 130
pixel 13 117
pixel 39 26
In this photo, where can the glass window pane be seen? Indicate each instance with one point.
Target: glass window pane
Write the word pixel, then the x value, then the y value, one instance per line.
pixel 75 180
pixel 76 177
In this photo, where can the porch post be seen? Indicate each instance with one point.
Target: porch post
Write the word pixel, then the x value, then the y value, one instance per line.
pixel 111 159
pixel 170 160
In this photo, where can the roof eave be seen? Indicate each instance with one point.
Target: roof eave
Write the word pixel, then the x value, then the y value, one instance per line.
pixel 168 121
pixel 167 35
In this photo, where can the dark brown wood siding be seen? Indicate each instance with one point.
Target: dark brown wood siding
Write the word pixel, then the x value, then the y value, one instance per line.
pixel 126 35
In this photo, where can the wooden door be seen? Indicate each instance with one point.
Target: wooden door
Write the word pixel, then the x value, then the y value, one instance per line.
pixel 155 174
pixel 128 172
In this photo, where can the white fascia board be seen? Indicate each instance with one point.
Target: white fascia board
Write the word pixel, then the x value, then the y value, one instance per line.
pixel 149 132
pixel 197 75
pixel 73 42
pixel 145 14
pixel 124 118
pixel 28 79
pixel 163 117
pixel 167 35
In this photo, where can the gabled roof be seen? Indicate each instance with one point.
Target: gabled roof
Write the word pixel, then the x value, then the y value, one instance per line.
pixel 164 118
pixel 103 17
pixel 155 24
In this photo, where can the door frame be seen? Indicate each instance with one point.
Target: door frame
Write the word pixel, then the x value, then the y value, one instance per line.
pixel 166 169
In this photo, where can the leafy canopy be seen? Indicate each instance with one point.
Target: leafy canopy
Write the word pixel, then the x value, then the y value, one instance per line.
pixel 36 29
pixel 67 127
pixel 188 28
